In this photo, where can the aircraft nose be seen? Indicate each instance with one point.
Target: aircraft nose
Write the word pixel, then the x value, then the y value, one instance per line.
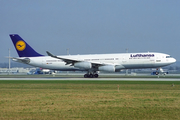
pixel 174 60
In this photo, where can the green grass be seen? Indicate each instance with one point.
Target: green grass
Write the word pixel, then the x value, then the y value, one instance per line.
pixel 89 100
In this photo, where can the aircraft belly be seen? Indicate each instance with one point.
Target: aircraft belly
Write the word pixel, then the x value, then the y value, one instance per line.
pixel 162 64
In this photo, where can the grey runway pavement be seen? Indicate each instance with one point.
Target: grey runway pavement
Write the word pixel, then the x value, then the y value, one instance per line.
pixel 97 79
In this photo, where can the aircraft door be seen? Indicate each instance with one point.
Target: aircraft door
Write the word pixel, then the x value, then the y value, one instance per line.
pixel 125 59
pixel 43 61
pixel 158 58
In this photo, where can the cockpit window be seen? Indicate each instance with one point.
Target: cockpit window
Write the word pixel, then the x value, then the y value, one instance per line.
pixel 168 57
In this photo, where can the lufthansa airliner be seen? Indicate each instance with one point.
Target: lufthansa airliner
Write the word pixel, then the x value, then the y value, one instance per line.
pixel 90 63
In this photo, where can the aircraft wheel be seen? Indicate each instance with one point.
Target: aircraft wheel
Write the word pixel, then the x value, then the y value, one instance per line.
pixel 91 75
pixel 86 76
pixel 96 75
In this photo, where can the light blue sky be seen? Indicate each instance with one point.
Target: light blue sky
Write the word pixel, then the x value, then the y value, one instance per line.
pixel 91 26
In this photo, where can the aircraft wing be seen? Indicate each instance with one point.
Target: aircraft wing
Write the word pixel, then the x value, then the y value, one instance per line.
pixel 66 60
pixel 72 61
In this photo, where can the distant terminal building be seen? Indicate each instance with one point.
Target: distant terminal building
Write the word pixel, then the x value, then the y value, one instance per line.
pixel 15 70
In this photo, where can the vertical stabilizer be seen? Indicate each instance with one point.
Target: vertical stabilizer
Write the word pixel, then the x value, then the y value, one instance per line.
pixel 22 48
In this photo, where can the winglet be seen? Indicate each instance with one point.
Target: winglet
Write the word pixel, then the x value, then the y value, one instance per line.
pixel 51 54
pixel 22 48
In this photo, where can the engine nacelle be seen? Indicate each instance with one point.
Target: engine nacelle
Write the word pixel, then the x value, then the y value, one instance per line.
pixel 83 65
pixel 119 68
pixel 107 68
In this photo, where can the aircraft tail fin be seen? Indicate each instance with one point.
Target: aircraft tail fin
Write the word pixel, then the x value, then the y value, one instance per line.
pixel 22 48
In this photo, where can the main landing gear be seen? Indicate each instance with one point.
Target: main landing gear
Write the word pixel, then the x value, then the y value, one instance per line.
pixel 91 75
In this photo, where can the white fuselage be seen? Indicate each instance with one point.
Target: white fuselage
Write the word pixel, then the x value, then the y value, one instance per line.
pixel 120 61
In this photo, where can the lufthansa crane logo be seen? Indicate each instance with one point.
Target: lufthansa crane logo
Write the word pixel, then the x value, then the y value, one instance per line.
pixel 20 45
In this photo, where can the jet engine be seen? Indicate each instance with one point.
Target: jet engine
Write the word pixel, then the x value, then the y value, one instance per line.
pixel 83 65
pixel 107 68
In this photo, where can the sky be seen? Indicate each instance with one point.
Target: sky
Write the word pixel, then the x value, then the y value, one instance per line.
pixel 91 26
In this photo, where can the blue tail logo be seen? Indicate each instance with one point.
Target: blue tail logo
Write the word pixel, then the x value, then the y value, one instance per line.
pixel 22 48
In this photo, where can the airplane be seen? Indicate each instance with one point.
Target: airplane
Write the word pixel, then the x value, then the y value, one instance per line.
pixel 41 71
pixel 90 63
pixel 159 71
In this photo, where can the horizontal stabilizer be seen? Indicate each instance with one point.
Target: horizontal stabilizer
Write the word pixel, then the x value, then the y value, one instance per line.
pixel 24 60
